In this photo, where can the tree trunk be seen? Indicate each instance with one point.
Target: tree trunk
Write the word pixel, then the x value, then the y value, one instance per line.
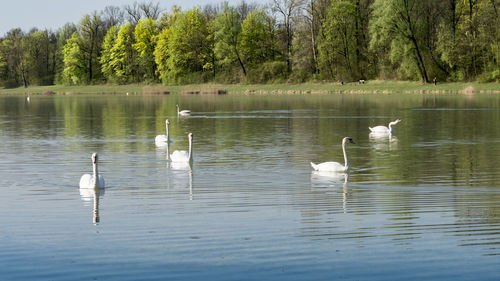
pixel 357 46
pixel 420 61
pixel 25 82
pixel 313 39
pixel 240 62
pixel 288 44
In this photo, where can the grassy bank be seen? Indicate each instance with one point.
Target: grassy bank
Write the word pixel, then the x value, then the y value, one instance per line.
pixel 387 87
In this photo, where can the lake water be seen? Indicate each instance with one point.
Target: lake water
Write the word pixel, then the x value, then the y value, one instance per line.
pixel 422 205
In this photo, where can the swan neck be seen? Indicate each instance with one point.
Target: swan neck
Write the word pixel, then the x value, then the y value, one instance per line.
pixel 95 174
pixel 168 135
pixel 346 162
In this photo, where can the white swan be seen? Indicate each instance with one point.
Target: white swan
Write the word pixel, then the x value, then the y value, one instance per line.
pixel 163 140
pixel 384 129
pixel 182 155
pixel 335 166
pixel 182 112
pixel 95 180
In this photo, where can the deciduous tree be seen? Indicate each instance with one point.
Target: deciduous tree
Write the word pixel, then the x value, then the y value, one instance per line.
pixel 106 56
pixel 227 27
pixel 91 29
pixel 146 36
pixel 189 47
pixel 124 56
pixel 75 61
pixel 397 29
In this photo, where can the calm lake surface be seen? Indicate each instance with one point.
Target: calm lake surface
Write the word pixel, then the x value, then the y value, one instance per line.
pixel 424 204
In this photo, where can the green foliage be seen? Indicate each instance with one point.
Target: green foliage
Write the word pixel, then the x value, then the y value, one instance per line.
pixel 227 28
pixel 146 36
pixel 397 29
pixel 91 29
pixel 335 40
pixel 124 56
pixel 161 53
pixel 257 41
pixel 2 61
pixel 189 47
pixel 273 71
pixel 336 49
pixel 63 34
pixel 12 51
pixel 40 56
pixel 3 69
pixel 106 55
pixel 75 69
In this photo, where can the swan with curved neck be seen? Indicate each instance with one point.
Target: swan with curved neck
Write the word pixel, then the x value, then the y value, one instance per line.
pixel 384 129
pixel 335 166
pixel 95 180
pixel 182 155
pixel 163 140
pixel 182 112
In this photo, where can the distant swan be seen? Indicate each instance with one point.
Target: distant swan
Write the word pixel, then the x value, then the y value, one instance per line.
pixel 95 180
pixel 163 140
pixel 184 156
pixel 182 112
pixel 335 166
pixel 384 129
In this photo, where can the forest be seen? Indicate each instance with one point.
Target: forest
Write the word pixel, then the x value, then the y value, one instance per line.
pixel 283 41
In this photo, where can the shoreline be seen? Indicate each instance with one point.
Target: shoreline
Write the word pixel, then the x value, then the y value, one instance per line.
pixel 369 87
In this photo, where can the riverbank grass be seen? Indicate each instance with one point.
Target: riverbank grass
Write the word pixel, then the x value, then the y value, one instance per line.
pixel 376 86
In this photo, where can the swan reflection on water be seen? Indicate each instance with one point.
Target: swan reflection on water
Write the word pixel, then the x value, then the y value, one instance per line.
pixel 383 141
pixel 321 179
pixel 92 194
pixel 328 178
pixel 181 175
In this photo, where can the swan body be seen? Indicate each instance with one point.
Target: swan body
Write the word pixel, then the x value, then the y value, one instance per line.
pixel 182 112
pixel 384 129
pixel 182 155
pixel 163 140
pixel 335 166
pixel 329 167
pixel 95 180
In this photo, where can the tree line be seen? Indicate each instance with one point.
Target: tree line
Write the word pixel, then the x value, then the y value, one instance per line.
pixel 282 41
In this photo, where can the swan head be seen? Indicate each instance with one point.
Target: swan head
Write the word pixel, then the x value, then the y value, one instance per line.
pixel 190 136
pixel 167 122
pixel 348 140
pixel 94 157
pixel 395 122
